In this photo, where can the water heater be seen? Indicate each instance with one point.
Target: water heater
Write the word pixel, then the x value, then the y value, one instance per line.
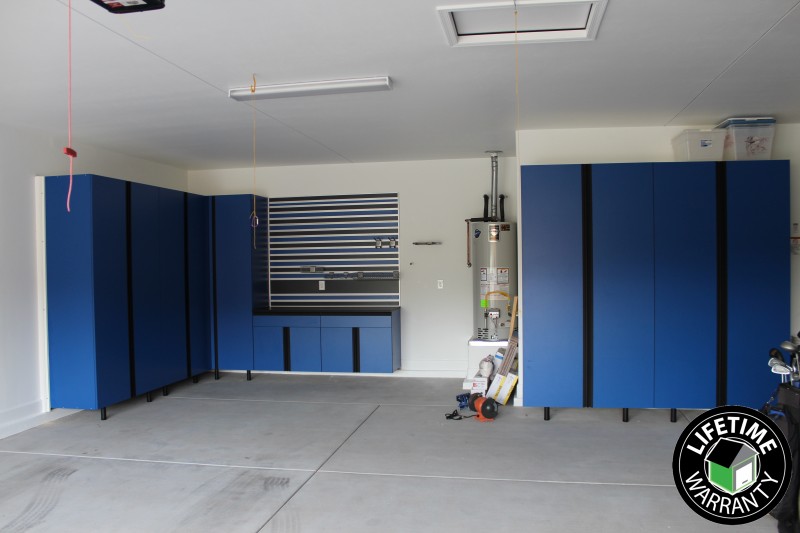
pixel 494 264
pixel 492 255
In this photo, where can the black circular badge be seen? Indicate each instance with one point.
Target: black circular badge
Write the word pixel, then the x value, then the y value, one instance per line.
pixel 732 465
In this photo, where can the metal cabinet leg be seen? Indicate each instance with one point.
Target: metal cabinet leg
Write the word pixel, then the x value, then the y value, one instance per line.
pixel 103 415
pixel 149 397
pixel 165 391
pixel 625 416
pixel 547 413
pixel 216 373
pixel 195 379
pixel 249 376
pixel 673 415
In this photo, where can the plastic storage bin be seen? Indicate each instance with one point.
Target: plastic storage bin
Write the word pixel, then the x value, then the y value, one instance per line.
pixel 748 138
pixel 699 145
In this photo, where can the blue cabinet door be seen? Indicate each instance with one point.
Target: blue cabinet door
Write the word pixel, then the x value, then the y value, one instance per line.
pixel 234 285
pixel 158 283
pixel 375 350
pixel 685 285
pixel 336 345
pixel 758 275
pixel 87 296
pixel 623 314
pixel 268 348
pixel 552 274
pixel 198 219
pixel 305 349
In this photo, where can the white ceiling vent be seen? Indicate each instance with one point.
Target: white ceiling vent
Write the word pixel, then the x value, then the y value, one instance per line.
pixel 538 21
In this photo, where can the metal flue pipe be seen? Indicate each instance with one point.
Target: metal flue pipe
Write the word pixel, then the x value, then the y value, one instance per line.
pixel 494 191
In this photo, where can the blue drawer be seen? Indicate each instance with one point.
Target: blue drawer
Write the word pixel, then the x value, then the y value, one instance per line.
pixel 338 321
pixel 286 321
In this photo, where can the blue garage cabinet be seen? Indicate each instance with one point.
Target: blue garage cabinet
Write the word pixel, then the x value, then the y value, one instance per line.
pixel 158 286
pixel 198 283
pixel 757 275
pixel 685 282
pixel 685 236
pixel 622 252
pixel 87 293
pixel 552 258
pixel 336 341
pixel 240 277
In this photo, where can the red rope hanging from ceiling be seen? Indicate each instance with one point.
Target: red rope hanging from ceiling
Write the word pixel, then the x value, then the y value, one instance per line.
pixel 68 150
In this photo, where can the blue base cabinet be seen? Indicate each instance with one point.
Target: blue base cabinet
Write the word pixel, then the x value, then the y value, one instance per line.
pixel 87 292
pixel 336 342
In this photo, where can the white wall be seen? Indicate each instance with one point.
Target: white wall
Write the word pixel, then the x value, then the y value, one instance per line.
pixel 24 155
pixel 435 198
pixel 623 145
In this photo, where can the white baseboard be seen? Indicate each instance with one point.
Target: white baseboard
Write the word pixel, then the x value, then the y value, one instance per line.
pixel 27 416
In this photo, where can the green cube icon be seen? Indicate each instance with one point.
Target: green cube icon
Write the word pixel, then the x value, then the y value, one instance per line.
pixel 732 465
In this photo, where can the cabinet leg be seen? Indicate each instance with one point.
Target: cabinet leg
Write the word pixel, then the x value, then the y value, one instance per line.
pixel 216 373
pixel 547 413
pixel 165 391
pixel 149 397
pixel 103 415
pixel 195 379
pixel 673 415
pixel 625 416
pixel 249 376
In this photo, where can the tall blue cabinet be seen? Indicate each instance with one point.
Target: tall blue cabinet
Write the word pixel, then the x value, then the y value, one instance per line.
pixel 158 286
pixel 197 232
pixel 758 304
pixel 87 292
pixel 678 291
pixel 240 277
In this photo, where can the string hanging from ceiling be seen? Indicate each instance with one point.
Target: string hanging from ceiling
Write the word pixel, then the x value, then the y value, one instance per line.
pixel 254 214
pixel 68 150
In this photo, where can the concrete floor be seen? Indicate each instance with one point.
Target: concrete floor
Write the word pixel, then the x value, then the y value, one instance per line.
pixel 300 453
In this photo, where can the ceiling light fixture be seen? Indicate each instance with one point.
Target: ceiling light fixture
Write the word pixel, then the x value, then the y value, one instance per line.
pixel 312 88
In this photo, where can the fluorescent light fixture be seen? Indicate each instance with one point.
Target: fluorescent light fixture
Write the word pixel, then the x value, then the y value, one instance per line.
pixel 312 88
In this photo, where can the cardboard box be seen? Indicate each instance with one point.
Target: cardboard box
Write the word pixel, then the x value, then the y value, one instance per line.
pixel 502 387
pixel 477 384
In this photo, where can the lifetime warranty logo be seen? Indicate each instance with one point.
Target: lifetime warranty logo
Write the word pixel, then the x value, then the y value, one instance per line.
pixel 732 465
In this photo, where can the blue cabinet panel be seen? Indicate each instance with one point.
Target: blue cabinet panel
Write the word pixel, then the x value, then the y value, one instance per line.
pixel 287 321
pixel 552 266
pixel 356 321
pixel 158 282
pixel 758 275
pixel 336 346
pixel 375 350
pixel 622 214
pixel 268 348
pixel 234 286
pixel 87 292
pixel 198 220
pixel 685 285
pixel 305 349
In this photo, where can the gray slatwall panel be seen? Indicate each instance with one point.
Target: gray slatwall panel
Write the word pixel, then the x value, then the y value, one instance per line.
pixel 336 235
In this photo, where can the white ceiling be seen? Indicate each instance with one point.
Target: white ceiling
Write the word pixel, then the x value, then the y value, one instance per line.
pixel 154 85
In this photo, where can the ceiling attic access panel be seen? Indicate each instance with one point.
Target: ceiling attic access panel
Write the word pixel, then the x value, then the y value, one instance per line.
pixel 536 21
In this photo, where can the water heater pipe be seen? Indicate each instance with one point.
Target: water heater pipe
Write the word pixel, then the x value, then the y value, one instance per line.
pixel 494 192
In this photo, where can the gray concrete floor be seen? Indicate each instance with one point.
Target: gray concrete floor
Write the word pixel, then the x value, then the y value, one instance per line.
pixel 300 453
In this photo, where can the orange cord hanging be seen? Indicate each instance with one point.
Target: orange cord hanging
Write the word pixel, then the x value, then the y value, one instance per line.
pixel 254 214
pixel 68 150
